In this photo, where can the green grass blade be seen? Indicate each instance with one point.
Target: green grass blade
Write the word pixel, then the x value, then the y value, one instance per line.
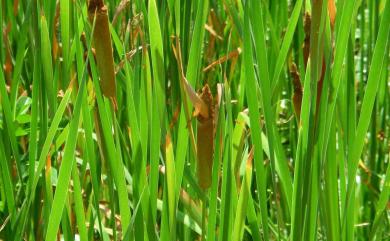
pixel 255 125
pixel 47 65
pixel 49 140
pixel 286 44
pixel 369 98
pixel 65 171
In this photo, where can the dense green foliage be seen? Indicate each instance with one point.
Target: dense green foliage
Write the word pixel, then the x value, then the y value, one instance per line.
pixel 301 142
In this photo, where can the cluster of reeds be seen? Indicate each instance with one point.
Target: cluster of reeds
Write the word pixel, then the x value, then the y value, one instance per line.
pixel 195 120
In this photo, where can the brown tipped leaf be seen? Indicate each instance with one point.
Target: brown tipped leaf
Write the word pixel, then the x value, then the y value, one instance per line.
pixel 332 12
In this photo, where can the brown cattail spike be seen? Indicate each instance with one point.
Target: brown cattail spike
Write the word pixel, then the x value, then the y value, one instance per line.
pixel 306 43
pixel 103 47
pixel 297 91
pixel 205 141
